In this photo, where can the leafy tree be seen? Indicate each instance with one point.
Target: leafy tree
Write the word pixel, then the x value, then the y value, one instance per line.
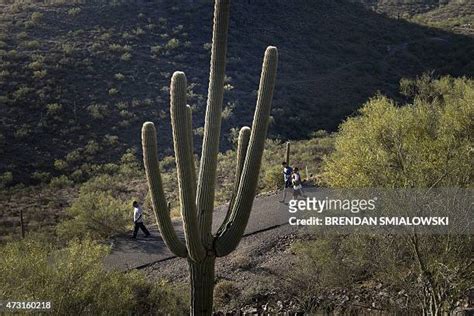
pixel 424 144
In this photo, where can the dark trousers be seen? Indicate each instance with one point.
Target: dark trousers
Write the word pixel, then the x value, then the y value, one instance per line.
pixel 143 228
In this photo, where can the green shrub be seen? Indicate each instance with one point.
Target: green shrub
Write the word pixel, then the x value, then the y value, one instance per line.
pixel 54 108
pixel 172 44
pixel 129 164
pixel 32 44
pixel 36 65
pixel 113 91
pixel 421 144
pixel 43 177
pixel 60 182
pixel 39 74
pixel 97 215
pixel 92 148
pixel 273 178
pixel 76 283
pixel 155 49
pixel 60 165
pixel 74 11
pixel 98 111
pixel 424 144
pixel 6 178
pixel 224 293
pixel 22 131
pixel 36 17
pixel 126 57
pixel 119 76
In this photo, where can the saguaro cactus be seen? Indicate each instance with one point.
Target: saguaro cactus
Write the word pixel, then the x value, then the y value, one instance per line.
pixel 201 247
pixel 287 158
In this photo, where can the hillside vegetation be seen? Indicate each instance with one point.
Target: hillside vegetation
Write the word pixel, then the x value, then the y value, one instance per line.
pixel 453 15
pixel 63 210
pixel 78 78
pixel 426 143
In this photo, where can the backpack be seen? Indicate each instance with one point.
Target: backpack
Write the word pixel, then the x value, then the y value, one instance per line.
pixel 297 179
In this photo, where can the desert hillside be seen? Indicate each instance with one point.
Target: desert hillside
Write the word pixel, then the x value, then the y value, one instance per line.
pixel 78 78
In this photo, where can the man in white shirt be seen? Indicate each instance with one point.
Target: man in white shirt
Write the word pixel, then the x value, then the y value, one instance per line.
pixel 138 220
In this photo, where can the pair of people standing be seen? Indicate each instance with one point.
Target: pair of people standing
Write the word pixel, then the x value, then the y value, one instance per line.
pixel 292 180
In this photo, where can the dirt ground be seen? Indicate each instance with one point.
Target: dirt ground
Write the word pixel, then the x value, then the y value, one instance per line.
pixel 250 278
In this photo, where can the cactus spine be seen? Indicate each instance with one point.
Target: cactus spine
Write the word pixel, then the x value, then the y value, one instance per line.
pixel 201 247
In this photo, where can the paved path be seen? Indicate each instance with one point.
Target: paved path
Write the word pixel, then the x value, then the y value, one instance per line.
pixel 267 212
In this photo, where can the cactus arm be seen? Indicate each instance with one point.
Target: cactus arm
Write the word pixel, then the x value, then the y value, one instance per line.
pixel 244 137
pixel 212 127
pixel 160 207
pixel 189 121
pixel 228 240
pixel 184 162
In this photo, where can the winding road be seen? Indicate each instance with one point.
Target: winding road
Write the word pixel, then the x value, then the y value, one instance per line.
pixel 267 213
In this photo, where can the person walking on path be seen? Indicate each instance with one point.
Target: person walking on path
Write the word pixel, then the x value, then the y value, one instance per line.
pixel 297 184
pixel 287 171
pixel 138 220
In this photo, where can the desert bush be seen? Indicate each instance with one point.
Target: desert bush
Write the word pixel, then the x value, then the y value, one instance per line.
pixel 119 76
pixel 424 144
pixel 42 177
pixel 36 65
pixel 111 140
pixel 76 283
pixel 242 262
pixel 227 112
pixel 34 44
pixel 73 156
pixel 98 111
pixel 225 292
pixel 54 108
pixel 126 56
pixel 138 31
pixel 77 176
pixel 60 182
pixel 74 11
pixel 60 165
pixel 113 91
pixel 95 214
pixel 36 17
pixel 39 74
pixel 22 36
pixel 155 49
pixel 273 178
pixel 172 44
pixel 22 131
pixel 129 164
pixel 103 183
pixel 92 148
pixel 6 178
pixel 420 144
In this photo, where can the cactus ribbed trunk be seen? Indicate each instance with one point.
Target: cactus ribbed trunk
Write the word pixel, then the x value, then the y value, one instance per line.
pixel 287 158
pixel 212 126
pixel 202 286
pixel 196 198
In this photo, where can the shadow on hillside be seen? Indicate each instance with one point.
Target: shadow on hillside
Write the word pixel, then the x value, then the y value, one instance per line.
pixel 334 55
